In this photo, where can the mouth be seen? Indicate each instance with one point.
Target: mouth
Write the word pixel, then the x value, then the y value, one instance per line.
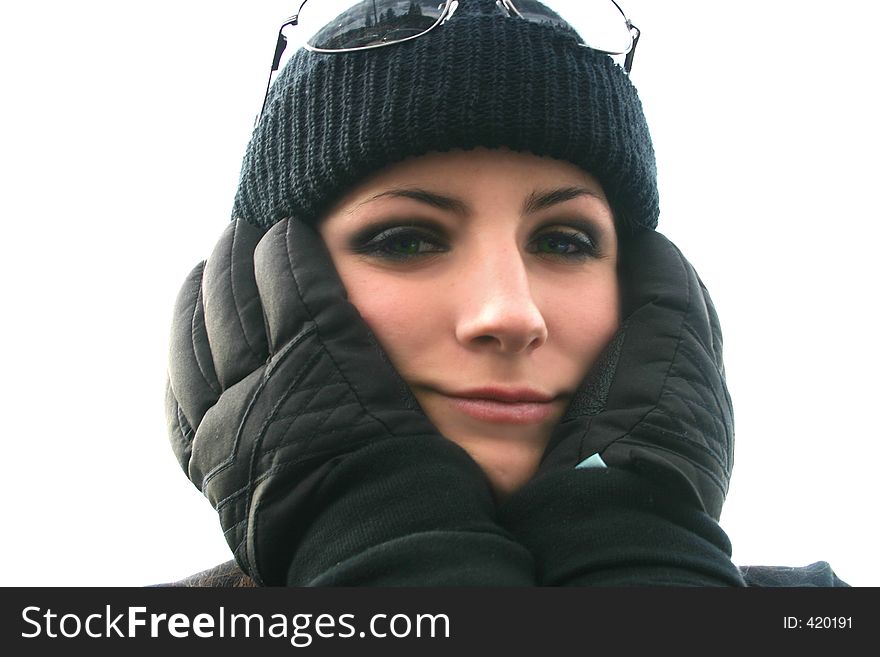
pixel 504 406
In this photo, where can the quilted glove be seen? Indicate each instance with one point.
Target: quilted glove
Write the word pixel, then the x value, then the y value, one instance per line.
pixel 633 479
pixel 285 412
pixel 656 402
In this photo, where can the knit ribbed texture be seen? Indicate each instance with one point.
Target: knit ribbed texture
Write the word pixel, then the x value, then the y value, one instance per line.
pixel 478 80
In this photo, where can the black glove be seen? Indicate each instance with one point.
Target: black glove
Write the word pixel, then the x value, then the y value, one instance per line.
pixel 656 402
pixel 285 412
pixel 642 457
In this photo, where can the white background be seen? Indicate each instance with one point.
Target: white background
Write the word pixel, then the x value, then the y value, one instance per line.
pixel 123 127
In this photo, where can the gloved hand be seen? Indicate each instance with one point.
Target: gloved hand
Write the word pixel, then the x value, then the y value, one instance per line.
pixel 285 412
pixel 654 410
pixel 656 402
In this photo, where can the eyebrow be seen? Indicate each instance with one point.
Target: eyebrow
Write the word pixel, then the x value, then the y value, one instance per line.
pixel 541 201
pixel 536 201
pixel 430 198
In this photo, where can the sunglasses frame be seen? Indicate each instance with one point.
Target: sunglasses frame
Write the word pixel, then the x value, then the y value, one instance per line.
pixel 445 15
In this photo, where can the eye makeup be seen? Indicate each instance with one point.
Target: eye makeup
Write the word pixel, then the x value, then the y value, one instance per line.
pixel 571 241
pixel 399 240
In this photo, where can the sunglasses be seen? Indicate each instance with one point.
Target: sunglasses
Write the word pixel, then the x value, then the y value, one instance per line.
pixel 341 26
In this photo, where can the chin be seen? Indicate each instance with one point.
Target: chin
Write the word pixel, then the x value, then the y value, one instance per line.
pixel 505 484
pixel 508 464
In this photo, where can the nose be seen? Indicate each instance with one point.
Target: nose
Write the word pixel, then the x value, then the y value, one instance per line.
pixel 498 310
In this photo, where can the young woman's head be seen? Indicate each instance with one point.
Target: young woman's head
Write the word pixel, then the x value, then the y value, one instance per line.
pixel 489 277
pixel 471 185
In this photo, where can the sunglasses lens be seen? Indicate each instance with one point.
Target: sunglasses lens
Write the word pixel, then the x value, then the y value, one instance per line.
pixel 599 23
pixel 342 25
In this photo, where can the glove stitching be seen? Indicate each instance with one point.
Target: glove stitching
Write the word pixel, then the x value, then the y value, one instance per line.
pixel 303 408
pixel 696 422
pixel 709 445
pixel 276 467
pixel 692 403
pixel 241 541
pixel 199 304
pixel 714 326
pixel 183 441
pixel 314 432
pixel 351 387
pixel 281 465
pixel 253 350
pixel 698 389
pixel 699 362
pixel 663 387
pixel 318 337
pixel 264 381
pixel 637 441
pixel 183 425
pixel 229 499
pixel 716 359
pixel 706 446
pixel 256 454
pixel 680 437
pixel 646 424
pixel 270 418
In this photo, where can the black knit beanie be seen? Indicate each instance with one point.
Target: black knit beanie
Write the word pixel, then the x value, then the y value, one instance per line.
pixel 479 79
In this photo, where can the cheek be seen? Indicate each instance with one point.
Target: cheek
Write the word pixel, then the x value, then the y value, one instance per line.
pixel 582 317
pixel 399 312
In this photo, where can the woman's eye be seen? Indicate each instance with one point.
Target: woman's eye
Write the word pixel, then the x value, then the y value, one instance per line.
pixel 564 244
pixel 401 244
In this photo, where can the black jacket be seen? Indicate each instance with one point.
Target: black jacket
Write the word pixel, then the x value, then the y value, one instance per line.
pixel 817 574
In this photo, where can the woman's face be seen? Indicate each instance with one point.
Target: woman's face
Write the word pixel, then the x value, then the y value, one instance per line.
pixel 489 277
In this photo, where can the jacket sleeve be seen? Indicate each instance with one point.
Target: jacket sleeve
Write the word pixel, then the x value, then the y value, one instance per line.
pixel 613 527
pixel 817 574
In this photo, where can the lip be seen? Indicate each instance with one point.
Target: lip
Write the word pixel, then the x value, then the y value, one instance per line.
pixel 508 395
pixel 505 406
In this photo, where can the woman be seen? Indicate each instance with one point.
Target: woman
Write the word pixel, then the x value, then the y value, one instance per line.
pixel 441 342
